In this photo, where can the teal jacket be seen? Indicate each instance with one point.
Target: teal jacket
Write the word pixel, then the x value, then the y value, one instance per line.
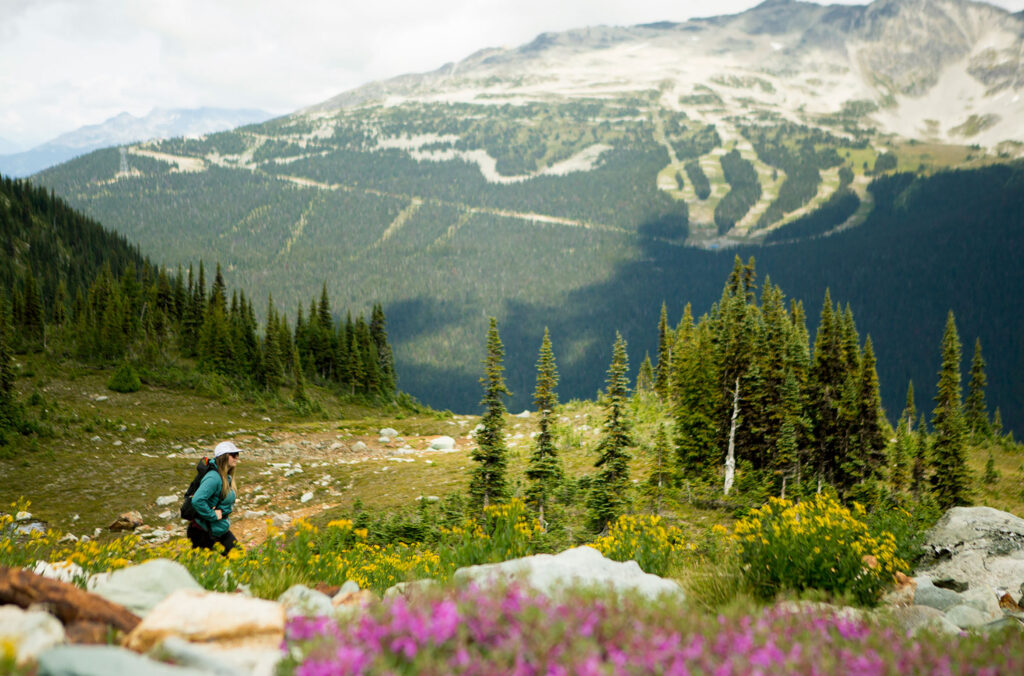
pixel 207 498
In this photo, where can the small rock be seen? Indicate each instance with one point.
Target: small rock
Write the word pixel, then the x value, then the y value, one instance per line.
pixel 165 500
pixel 349 587
pixel 306 497
pixel 102 397
pixel 64 571
pixel 360 447
pixel 252 514
pixel 29 632
pixel 524 414
pixel 442 443
pixel 166 514
pixel 388 432
pixel 282 521
pixel 301 600
pixel 96 439
pixel 1006 602
pixel 23 516
pixel 118 442
pixel 127 521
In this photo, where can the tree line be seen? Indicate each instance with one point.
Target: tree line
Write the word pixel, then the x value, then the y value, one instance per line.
pixel 751 408
pixel 134 313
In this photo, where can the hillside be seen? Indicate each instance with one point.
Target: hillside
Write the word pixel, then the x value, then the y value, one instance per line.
pixel 525 182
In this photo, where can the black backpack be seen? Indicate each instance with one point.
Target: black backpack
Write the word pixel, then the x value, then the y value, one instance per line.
pixel 187 511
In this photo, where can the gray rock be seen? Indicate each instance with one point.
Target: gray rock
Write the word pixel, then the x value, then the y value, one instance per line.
pixel 306 497
pixel 981 529
pixel 984 599
pixel 301 600
pixel 389 432
pixel 442 443
pixel 181 652
pixel 360 447
pixel 165 500
pixel 30 632
pixel 96 660
pixel 409 588
pixel 140 588
pixel 928 594
pixel 282 521
pixel 350 587
pixel 584 566
pixel 967 617
pixel 1001 624
pixel 916 618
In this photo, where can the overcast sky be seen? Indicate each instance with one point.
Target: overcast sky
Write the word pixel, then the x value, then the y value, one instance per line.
pixel 69 63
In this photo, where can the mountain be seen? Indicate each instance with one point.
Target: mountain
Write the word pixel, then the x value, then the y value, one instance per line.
pixel 579 180
pixel 7 146
pixel 126 128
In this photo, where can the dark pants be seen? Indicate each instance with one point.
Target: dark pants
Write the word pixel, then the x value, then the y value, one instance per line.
pixel 202 539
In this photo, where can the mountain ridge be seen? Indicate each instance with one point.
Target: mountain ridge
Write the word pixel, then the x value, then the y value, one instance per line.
pixel 127 128
pixel 486 188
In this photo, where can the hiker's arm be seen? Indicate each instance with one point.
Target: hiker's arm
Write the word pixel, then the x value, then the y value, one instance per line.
pixel 206 498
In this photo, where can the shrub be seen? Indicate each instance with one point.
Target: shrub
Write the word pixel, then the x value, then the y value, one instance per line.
pixel 645 539
pixel 507 531
pixel 816 544
pixel 125 379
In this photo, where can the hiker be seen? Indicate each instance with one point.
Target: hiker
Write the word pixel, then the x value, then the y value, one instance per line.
pixel 214 500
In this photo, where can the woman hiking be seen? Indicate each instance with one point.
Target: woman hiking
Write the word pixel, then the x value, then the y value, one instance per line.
pixel 214 501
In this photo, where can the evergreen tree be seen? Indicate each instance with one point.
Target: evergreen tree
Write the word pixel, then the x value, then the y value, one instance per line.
pixel 544 471
pixel 901 456
pixel 951 477
pixel 975 408
pixel 300 397
pixel 31 314
pixel 827 381
pixel 489 483
pixel 696 398
pixel 645 376
pixel 8 407
pixel 867 453
pixel 273 369
pixel 385 358
pixel 663 371
pixel 991 473
pixel 661 475
pixel 608 494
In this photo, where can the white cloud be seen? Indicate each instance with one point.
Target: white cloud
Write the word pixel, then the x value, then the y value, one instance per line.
pixel 67 63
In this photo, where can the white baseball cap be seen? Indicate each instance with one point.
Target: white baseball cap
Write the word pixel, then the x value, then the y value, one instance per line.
pixel 225 447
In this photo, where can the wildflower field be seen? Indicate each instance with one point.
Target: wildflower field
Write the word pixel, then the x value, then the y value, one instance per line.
pixel 456 628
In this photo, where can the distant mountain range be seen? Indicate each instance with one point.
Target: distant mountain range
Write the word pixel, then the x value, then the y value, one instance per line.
pixel 522 182
pixel 122 129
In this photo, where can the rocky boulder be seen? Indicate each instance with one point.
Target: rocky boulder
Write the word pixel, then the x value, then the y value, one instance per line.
pixel 584 566
pixel 198 616
pixel 975 546
pixel 140 588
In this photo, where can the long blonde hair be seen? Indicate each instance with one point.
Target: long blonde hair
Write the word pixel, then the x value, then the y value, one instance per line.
pixel 227 476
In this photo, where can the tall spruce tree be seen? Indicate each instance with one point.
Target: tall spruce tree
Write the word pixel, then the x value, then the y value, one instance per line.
pixel 663 371
pixel 544 471
pixel 951 477
pixel 608 493
pixel 696 401
pixel 386 360
pixel 488 483
pixel 975 408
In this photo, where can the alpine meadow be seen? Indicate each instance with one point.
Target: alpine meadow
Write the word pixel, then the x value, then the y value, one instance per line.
pixel 669 348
